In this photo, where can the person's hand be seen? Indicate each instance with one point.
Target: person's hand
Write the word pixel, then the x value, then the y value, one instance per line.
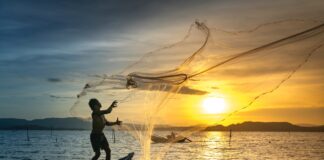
pixel 118 122
pixel 114 104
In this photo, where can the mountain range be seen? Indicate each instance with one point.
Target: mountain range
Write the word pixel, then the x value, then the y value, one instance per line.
pixel 73 123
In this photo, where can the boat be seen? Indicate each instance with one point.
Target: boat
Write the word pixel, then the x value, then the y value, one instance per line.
pixel 170 139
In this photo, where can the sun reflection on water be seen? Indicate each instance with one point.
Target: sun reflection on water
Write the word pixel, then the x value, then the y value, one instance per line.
pixel 214 144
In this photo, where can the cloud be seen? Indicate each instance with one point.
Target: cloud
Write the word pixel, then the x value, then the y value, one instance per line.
pixel 183 90
pixel 54 80
pixel 214 87
pixel 187 90
pixel 52 39
pixel 61 97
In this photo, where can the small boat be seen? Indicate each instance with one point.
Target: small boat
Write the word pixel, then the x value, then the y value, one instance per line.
pixel 169 139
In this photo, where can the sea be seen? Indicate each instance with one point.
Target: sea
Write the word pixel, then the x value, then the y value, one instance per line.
pixel 65 145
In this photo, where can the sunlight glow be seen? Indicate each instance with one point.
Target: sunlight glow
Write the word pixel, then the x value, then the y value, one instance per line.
pixel 213 105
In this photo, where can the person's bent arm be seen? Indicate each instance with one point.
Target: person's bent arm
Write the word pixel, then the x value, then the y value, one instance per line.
pixel 118 122
pixel 107 111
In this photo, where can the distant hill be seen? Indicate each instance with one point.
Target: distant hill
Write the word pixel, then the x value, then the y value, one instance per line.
pixel 265 126
pixel 73 123
pixel 44 124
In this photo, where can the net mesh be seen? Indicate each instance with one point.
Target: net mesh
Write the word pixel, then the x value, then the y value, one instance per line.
pixel 239 66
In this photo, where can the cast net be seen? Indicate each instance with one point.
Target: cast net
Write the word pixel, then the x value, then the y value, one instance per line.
pixel 166 85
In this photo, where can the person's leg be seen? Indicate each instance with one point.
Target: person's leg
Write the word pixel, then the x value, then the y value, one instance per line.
pixel 105 146
pixel 95 143
pixel 108 152
pixel 97 155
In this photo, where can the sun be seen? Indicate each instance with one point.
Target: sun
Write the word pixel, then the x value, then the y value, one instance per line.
pixel 214 105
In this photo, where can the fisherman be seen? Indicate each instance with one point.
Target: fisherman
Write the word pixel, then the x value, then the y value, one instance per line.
pixel 97 137
pixel 173 135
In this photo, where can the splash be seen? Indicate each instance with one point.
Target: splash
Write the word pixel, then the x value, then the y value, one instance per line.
pixel 244 65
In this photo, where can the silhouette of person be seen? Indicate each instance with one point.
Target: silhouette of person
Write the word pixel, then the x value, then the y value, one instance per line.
pixel 97 137
pixel 173 135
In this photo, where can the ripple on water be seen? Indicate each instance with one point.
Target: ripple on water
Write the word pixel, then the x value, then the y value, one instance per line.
pixel 213 145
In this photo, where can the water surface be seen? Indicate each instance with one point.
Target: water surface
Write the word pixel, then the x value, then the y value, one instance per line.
pixel 205 145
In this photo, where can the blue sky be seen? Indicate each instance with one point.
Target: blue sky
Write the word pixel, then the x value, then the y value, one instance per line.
pixel 50 49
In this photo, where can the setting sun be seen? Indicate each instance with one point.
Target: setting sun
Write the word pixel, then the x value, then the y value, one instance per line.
pixel 212 105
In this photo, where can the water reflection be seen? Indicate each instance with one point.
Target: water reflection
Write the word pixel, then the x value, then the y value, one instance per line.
pixel 205 146
pixel 213 145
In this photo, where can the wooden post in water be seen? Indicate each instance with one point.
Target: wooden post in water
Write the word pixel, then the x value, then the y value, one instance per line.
pixel 113 135
pixel 230 137
pixel 27 133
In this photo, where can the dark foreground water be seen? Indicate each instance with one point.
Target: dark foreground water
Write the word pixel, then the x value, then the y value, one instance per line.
pixel 207 145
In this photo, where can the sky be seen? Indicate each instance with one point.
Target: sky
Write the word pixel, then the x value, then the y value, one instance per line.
pixel 50 49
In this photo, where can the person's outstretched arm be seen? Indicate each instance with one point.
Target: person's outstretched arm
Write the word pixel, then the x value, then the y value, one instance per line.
pixel 118 122
pixel 107 111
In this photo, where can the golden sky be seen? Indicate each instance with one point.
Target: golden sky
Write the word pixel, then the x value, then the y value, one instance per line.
pixel 47 57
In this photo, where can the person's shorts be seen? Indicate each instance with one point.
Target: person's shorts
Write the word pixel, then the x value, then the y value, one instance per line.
pixel 98 140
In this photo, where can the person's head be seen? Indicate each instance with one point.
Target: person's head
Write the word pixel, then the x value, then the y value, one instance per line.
pixel 94 104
